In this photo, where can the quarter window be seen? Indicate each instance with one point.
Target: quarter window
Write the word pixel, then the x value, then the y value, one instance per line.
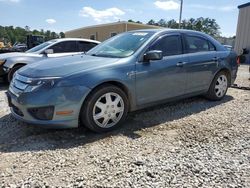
pixel 169 45
pixel 196 44
pixel 211 46
pixel 65 47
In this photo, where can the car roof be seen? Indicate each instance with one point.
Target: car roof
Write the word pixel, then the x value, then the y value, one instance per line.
pixel 73 39
pixel 166 30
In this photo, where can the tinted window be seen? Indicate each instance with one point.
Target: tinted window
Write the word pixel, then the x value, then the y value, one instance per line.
pixel 64 47
pixel 211 46
pixel 196 44
pixel 169 45
pixel 85 46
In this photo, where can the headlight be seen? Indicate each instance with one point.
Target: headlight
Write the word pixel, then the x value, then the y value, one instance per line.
pixel 2 62
pixel 41 82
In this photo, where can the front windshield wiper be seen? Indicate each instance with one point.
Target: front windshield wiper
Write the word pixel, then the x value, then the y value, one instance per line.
pixel 103 55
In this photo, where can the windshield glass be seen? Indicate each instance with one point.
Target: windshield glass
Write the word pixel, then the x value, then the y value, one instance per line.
pixel 39 47
pixel 122 45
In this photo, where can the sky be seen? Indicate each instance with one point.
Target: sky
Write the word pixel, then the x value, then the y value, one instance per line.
pixel 64 15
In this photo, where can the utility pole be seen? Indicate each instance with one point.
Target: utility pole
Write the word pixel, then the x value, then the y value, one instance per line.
pixel 180 14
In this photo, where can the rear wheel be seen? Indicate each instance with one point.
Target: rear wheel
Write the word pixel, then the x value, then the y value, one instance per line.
pixel 104 109
pixel 12 72
pixel 219 86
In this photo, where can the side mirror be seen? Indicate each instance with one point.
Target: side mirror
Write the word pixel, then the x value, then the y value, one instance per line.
pixel 48 51
pixel 153 55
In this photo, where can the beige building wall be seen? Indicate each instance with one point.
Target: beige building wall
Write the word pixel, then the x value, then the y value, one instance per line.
pixel 103 32
pixel 243 29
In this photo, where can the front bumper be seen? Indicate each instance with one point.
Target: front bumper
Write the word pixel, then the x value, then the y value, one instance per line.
pixel 62 98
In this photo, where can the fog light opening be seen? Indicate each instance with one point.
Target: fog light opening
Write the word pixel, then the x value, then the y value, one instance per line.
pixel 42 113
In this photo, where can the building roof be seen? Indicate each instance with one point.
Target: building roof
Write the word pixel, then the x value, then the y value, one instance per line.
pixel 244 5
pixel 114 23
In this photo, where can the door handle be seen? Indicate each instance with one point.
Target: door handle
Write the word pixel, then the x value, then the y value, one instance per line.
pixel 180 64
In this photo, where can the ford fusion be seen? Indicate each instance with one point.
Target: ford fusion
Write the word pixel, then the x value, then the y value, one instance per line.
pixel 127 72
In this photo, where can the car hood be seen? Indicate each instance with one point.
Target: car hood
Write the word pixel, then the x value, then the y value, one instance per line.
pixel 65 66
pixel 17 54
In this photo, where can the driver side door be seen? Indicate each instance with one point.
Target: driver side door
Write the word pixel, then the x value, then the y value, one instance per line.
pixel 64 48
pixel 162 79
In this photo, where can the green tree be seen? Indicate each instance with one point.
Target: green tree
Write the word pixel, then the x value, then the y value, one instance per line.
pixel 151 22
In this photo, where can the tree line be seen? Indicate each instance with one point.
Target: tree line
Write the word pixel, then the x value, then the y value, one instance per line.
pixel 18 34
pixel 206 25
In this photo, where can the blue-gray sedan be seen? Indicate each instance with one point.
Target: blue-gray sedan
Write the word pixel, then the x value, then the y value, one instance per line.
pixel 127 72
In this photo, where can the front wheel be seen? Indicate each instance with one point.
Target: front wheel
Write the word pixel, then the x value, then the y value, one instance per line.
pixel 218 87
pixel 12 72
pixel 104 109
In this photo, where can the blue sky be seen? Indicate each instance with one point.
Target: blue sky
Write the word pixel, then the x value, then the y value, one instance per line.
pixel 63 15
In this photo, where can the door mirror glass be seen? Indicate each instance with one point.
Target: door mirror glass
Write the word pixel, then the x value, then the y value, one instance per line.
pixel 153 55
pixel 48 51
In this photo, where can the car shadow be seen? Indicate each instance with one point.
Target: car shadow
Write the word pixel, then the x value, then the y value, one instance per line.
pixel 3 85
pixel 16 136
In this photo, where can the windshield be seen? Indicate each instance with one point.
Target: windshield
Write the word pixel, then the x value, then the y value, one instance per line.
pixel 39 47
pixel 122 45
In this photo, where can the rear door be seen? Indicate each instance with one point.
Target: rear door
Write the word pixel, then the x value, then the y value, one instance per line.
pixel 202 64
pixel 84 46
pixel 162 79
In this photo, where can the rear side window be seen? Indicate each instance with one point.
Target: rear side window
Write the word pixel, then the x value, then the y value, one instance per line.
pixel 211 46
pixel 196 44
pixel 169 45
pixel 65 47
pixel 85 46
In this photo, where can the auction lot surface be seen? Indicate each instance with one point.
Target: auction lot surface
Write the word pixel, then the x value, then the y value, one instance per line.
pixel 188 143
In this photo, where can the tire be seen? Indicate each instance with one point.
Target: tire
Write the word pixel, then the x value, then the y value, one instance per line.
pixel 100 113
pixel 12 71
pixel 218 87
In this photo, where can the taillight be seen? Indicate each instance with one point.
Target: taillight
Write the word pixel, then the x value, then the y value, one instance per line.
pixel 238 60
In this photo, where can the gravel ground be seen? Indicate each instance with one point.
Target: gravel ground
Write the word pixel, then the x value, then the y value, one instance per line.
pixel 190 143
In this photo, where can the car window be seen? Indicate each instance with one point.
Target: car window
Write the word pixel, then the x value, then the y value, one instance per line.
pixel 211 46
pixel 122 45
pixel 65 47
pixel 196 44
pixel 40 47
pixel 85 46
pixel 169 45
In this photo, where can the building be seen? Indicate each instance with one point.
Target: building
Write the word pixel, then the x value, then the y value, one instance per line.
pixel 104 31
pixel 243 29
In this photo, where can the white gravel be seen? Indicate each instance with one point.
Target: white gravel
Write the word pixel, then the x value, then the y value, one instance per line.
pixel 190 143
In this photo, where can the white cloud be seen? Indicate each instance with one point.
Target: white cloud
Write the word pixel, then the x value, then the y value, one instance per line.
pixel 218 8
pixel 167 5
pixel 102 15
pixel 11 1
pixel 50 21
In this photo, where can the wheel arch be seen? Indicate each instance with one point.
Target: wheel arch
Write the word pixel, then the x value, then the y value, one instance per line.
pixel 18 64
pixel 227 71
pixel 118 84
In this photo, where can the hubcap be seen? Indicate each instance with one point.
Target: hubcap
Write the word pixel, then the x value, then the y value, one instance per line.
pixel 108 110
pixel 221 86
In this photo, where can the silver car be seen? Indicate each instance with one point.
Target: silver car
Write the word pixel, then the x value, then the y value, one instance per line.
pixel 11 62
